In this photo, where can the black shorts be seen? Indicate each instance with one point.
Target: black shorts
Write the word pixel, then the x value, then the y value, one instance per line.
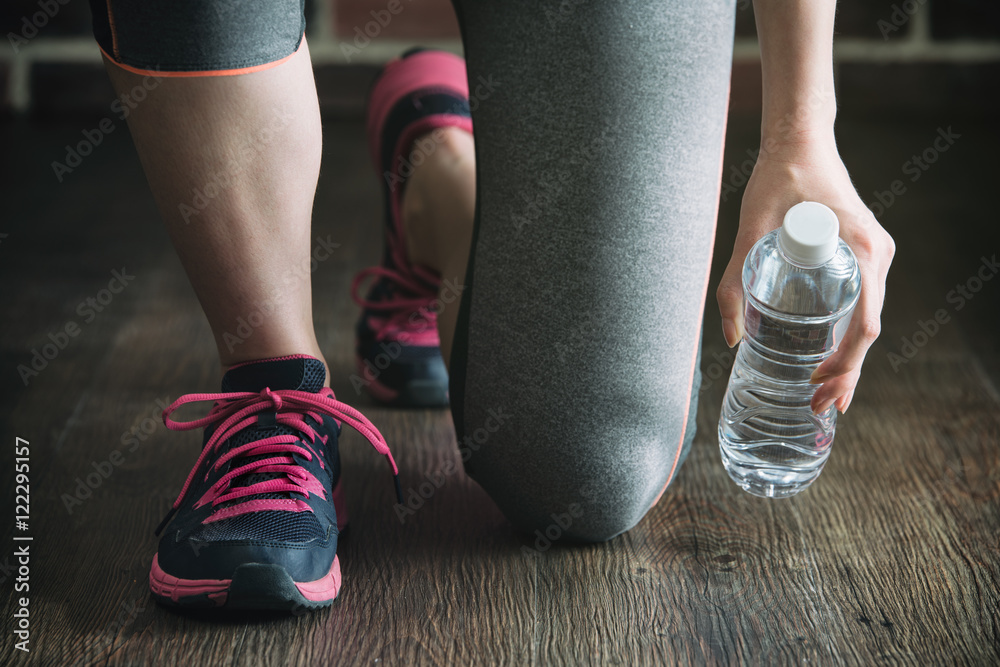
pixel 198 37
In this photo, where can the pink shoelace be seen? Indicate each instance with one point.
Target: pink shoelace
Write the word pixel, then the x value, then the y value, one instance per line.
pixel 400 309
pixel 239 410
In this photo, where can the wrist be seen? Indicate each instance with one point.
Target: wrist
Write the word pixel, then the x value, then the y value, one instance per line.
pixel 794 120
pixel 798 150
pixel 784 138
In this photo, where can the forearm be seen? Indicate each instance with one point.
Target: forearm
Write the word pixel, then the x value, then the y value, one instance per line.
pixel 796 44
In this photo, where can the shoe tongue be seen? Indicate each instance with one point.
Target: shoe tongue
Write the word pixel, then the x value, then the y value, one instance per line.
pixel 300 372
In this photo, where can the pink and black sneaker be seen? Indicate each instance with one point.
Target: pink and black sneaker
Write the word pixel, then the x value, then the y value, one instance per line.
pixel 256 523
pixel 398 350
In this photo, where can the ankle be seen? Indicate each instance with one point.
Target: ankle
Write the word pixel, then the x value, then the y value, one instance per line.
pixel 438 205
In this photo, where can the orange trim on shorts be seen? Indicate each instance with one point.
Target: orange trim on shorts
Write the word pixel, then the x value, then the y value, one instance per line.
pixel 211 72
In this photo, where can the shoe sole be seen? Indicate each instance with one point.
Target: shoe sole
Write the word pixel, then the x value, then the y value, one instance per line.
pixel 254 586
pixel 423 394
pixel 414 394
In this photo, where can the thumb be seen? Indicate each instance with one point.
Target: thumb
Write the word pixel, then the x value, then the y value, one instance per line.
pixel 730 297
pixel 761 211
pixel 730 292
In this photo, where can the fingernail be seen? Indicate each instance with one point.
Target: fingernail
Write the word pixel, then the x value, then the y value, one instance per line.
pixel 729 331
pixel 823 407
pixel 847 403
pixel 818 378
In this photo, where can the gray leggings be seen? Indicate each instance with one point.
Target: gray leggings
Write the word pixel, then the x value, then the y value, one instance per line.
pixel 574 373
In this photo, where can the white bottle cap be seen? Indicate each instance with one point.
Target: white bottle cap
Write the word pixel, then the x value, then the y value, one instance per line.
pixel 809 233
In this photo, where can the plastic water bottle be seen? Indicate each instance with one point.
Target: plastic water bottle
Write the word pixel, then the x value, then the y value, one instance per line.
pixel 800 284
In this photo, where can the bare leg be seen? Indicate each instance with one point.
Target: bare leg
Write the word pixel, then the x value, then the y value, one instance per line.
pixel 233 162
pixel 439 207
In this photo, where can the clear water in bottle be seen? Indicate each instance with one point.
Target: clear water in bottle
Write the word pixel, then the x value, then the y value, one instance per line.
pixel 800 285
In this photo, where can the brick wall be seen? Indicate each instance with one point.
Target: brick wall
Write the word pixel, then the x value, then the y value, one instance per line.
pixel 891 55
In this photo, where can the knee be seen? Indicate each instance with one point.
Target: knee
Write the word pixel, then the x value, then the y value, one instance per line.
pixel 562 467
pixel 573 505
pixel 588 486
pixel 597 513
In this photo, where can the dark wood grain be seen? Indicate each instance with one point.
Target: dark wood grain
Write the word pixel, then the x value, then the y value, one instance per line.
pixel 892 557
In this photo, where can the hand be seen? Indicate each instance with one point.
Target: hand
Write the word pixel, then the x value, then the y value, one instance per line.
pixel 810 169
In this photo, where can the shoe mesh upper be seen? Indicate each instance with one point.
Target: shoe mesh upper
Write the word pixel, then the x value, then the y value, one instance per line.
pixel 265 525
pixel 270 526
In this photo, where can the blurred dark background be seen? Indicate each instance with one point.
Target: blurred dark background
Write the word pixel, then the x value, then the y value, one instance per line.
pixel 904 56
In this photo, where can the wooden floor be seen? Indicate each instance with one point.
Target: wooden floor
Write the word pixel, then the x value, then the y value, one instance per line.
pixel 892 557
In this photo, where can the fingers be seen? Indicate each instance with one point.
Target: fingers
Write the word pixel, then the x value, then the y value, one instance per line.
pixel 861 333
pixel 844 401
pixel 730 296
pixel 874 249
pixel 839 374
pixel 837 390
